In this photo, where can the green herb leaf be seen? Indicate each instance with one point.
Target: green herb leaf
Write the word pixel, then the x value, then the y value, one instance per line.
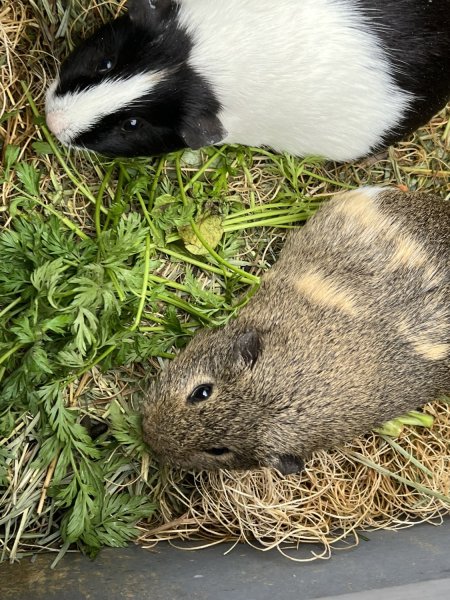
pixel 211 230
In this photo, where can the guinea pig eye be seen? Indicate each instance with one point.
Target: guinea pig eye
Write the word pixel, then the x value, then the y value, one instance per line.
pixel 131 124
pixel 218 451
pixel 105 65
pixel 201 392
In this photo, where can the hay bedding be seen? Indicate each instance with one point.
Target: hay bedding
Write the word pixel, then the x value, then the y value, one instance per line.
pixel 376 482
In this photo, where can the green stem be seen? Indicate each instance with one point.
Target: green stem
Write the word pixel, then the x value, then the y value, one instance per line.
pixel 117 199
pixel 151 317
pixel 446 133
pixel 143 205
pixel 9 307
pixel 273 222
pixel 10 351
pixel 153 329
pixel 98 203
pixel 177 286
pixel 163 327
pixel 191 261
pixel 178 303
pixel 112 275
pixel 84 190
pixel 96 361
pixel 154 186
pixel 347 186
pixel 407 455
pixel 273 205
pixel 225 265
pixel 166 355
pixel 69 224
pixel 201 170
pixel 145 279
pixel 249 178
pixel 419 487
pixel 169 283
pixel 267 215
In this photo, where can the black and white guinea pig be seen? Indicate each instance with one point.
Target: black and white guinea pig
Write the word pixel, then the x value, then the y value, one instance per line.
pixel 334 78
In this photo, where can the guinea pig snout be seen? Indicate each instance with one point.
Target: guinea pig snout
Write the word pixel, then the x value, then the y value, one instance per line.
pixel 155 437
pixel 57 122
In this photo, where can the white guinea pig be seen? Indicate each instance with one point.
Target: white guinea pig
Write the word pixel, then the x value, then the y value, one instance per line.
pixel 334 78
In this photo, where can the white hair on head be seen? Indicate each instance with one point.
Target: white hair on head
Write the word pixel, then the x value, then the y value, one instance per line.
pixel 73 113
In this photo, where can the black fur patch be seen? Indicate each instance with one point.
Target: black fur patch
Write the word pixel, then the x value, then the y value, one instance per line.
pixel 288 464
pixel 149 12
pixel 416 39
pixel 132 48
pixel 248 347
pixel 173 105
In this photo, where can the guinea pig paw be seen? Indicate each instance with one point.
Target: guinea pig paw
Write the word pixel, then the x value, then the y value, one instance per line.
pixel 287 464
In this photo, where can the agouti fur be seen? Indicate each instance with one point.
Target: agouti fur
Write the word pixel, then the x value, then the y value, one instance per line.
pixel 350 328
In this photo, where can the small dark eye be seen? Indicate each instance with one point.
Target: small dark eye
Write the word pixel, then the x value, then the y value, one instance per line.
pixel 105 65
pixel 131 124
pixel 201 392
pixel 217 451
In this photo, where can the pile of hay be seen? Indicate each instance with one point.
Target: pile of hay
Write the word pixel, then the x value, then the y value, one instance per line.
pixel 376 482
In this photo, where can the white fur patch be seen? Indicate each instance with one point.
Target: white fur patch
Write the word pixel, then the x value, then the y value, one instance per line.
pixel 303 76
pixel 73 113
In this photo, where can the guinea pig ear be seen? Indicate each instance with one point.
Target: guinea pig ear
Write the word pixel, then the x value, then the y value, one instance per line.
pixel 287 464
pixel 202 131
pixel 248 347
pixel 145 12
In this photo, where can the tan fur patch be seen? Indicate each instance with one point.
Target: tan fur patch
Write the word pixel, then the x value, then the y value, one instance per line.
pixel 409 253
pixel 324 291
pixel 360 206
pixel 432 351
pixel 373 224
pixel 423 342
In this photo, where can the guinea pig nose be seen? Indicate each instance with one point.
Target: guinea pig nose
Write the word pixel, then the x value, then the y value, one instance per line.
pixel 57 122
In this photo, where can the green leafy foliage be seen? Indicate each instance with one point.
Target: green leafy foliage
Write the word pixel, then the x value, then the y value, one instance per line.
pixel 63 303
pixel 70 298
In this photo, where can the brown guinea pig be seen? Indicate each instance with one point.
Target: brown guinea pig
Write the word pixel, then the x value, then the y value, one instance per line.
pixel 350 328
